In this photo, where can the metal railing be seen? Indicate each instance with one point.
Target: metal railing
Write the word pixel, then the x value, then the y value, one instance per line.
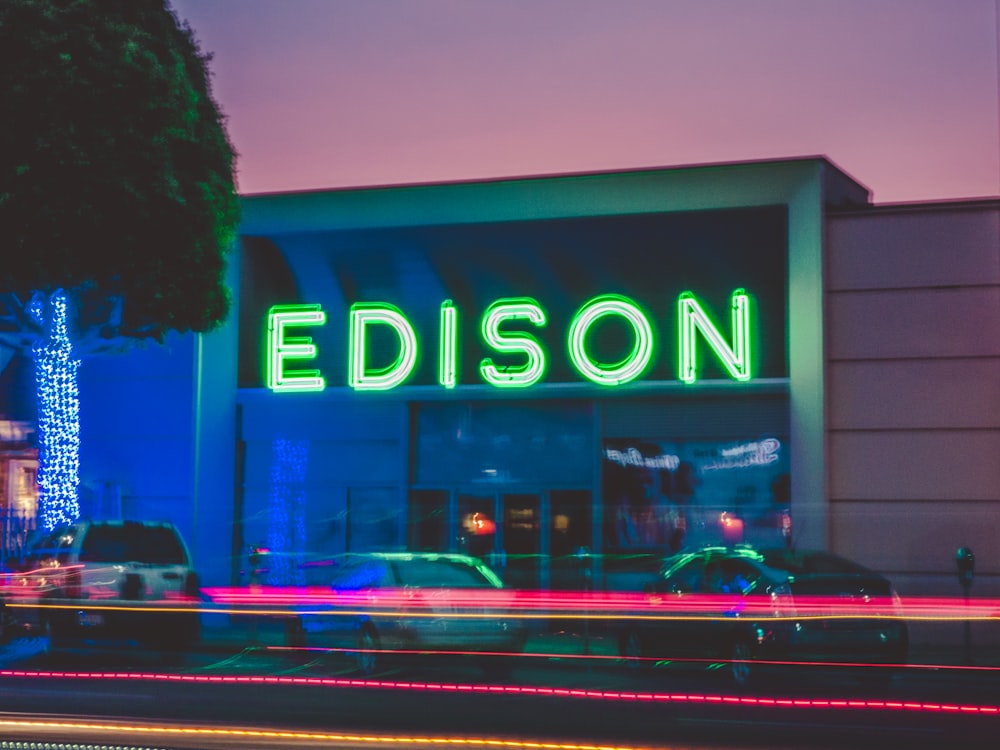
pixel 16 528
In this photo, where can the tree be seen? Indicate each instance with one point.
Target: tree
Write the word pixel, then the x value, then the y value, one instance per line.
pixel 117 199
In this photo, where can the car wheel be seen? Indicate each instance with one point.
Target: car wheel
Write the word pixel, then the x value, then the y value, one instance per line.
pixel 295 633
pixel 52 631
pixel 740 657
pixel 366 657
pixel 501 666
pixel 497 667
pixel 631 651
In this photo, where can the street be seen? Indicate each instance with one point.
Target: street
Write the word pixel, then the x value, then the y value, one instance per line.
pixel 545 698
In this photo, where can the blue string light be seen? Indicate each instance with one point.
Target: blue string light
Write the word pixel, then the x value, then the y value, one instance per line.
pixel 286 529
pixel 58 417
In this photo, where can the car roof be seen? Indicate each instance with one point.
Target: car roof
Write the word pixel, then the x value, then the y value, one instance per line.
pixel 805 566
pixel 380 564
pixel 813 562
pixel 735 552
pixel 85 523
pixel 707 553
pixel 340 559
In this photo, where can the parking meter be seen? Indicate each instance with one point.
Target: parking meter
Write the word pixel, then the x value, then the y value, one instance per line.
pixel 966 562
pixel 258 562
pixel 582 555
pixel 583 562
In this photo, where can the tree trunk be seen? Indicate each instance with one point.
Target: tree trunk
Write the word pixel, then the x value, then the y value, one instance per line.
pixel 58 413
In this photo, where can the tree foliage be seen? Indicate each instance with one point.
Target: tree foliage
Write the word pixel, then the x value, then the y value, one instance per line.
pixel 116 172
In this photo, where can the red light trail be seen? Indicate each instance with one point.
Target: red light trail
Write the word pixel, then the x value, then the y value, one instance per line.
pixel 523 690
pixel 489 603
pixel 595 603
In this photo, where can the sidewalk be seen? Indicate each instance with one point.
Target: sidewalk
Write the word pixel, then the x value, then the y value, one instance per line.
pixel 930 646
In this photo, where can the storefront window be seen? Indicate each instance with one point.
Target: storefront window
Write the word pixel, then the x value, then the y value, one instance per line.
pixel 428 526
pixel 664 496
pixel 374 519
pixel 503 443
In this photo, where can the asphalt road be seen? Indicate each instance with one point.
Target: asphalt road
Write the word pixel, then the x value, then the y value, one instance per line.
pixel 544 699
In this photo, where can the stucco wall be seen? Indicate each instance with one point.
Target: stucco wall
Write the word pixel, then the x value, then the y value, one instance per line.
pixel 912 329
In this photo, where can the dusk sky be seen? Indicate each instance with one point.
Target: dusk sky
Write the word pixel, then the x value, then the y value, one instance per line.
pixel 904 95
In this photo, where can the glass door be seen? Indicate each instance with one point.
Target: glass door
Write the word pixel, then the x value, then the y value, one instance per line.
pixel 521 539
pixel 427 529
pixel 477 528
pixel 504 531
pixel 570 539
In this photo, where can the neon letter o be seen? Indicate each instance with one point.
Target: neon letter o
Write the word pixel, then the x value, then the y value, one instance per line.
pixel 616 373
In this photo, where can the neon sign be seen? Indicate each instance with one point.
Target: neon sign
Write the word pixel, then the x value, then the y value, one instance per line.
pixel 694 326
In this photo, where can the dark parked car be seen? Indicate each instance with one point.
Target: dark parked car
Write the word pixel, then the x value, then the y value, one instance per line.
pixel 401 602
pixel 736 605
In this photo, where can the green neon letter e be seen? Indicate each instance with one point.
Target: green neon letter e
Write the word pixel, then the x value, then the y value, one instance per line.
pixel 281 347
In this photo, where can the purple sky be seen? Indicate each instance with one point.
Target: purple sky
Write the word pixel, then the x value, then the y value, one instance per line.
pixel 901 94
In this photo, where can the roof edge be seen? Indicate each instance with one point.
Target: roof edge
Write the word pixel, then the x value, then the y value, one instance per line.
pixel 690 166
pixel 943 204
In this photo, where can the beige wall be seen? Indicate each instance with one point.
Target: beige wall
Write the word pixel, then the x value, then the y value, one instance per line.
pixel 912 327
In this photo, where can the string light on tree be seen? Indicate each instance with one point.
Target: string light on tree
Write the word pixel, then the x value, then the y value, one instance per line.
pixel 58 415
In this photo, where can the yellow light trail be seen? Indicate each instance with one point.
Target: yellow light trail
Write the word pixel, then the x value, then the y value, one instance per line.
pixel 514 615
pixel 293 735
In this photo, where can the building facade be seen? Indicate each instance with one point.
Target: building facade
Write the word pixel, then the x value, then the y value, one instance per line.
pixel 578 371
pixel 528 451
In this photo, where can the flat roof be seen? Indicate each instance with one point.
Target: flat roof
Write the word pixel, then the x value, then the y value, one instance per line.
pixel 641 190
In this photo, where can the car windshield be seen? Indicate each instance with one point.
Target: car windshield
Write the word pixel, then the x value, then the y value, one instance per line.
pixel 440 574
pixel 50 547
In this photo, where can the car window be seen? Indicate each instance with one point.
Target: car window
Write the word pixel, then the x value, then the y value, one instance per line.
pixel 731 576
pixel 686 579
pixel 812 563
pixel 367 573
pixel 54 546
pixel 41 550
pixel 159 545
pixel 440 574
pixel 153 545
pixel 319 573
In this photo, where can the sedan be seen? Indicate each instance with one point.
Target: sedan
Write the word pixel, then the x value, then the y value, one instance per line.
pixel 735 605
pixel 395 603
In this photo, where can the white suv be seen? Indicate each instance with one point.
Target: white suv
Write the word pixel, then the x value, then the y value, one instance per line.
pixel 121 581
